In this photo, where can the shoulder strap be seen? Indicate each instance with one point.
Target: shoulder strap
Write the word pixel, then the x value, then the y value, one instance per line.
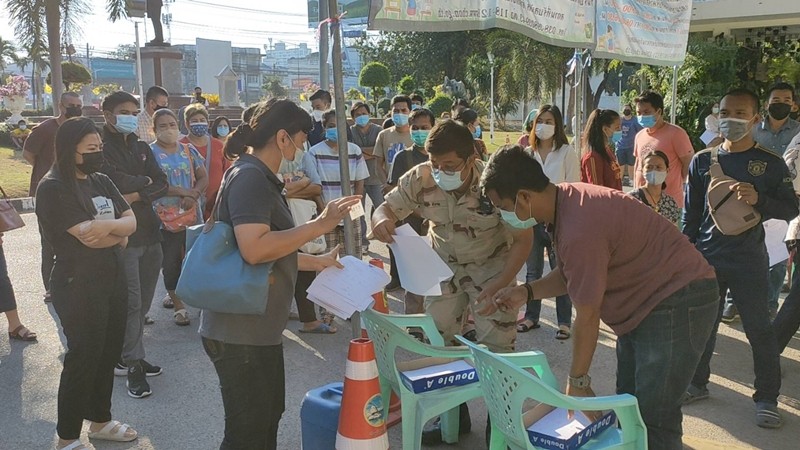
pixel 209 153
pixel 188 149
pixel 715 169
pixel 214 216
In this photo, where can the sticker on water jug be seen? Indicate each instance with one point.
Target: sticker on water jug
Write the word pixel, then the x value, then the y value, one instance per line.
pixel 373 411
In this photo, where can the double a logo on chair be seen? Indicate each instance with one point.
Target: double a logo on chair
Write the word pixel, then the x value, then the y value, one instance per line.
pixel 731 215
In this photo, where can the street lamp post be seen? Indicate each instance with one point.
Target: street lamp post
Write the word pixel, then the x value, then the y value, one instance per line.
pixel 620 91
pixel 491 98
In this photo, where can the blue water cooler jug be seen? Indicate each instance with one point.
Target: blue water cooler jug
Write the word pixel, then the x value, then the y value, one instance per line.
pixel 319 417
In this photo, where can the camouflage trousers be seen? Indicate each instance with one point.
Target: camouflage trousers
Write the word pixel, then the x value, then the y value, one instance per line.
pixel 449 310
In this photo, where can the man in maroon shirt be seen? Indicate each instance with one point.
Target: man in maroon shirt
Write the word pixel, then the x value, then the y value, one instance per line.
pixel 39 151
pixel 631 269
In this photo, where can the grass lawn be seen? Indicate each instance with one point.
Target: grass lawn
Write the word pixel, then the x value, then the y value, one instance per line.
pixel 500 139
pixel 15 173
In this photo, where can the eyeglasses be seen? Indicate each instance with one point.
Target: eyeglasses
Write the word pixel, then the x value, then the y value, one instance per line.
pixel 448 170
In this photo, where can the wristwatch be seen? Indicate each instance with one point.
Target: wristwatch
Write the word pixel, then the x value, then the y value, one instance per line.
pixel 581 382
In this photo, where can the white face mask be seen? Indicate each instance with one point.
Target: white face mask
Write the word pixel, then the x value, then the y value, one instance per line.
pixel 169 136
pixel 655 178
pixel 545 131
pixel 317 114
pixel 294 154
pixel 734 129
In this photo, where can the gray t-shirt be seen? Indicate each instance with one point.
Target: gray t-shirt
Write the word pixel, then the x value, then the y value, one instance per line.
pixel 251 193
pixel 368 140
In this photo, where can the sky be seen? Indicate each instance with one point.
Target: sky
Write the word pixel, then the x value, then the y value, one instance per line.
pixel 245 23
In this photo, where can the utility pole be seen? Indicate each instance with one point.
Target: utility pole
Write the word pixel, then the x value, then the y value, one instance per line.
pixel 324 80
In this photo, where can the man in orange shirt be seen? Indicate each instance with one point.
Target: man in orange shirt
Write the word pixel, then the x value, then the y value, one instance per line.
pixel 666 137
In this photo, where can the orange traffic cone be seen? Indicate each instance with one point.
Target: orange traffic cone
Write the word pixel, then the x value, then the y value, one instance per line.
pixel 361 424
pixel 380 305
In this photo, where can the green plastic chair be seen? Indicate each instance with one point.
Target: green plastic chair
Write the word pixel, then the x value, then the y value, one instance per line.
pixel 388 334
pixel 506 386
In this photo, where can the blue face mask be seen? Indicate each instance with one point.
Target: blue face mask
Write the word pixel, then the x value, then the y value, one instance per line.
pixel 198 129
pixel 331 135
pixel 447 182
pixel 415 107
pixel 400 120
pixel 126 124
pixel 362 120
pixel 419 137
pixel 223 131
pixel 647 121
pixel 511 218
pixel 477 133
pixel 616 137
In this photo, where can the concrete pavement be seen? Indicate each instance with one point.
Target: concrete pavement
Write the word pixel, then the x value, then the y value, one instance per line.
pixel 185 410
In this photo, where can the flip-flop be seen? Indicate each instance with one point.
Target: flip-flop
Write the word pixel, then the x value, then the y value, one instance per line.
pixel 563 333
pixel 322 328
pixel 523 327
pixel 105 433
pixel 768 416
pixel 21 333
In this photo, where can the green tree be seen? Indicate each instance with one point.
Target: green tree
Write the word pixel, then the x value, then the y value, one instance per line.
pixel 74 75
pixel 274 87
pixel 383 105
pixel 354 94
pixel 375 76
pixel 407 85
pixel 8 54
pixel 439 104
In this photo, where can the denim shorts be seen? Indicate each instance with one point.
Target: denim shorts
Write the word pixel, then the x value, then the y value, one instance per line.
pixel 625 156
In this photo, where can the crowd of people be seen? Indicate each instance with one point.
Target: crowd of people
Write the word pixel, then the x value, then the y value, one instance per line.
pixel 114 204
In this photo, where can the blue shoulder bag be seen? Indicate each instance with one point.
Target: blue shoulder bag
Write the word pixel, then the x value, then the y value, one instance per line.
pixel 214 275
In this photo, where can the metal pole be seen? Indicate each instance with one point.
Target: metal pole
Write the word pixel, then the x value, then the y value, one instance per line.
pixel 674 93
pixel 324 80
pixel 563 95
pixel 341 131
pixel 139 66
pixel 578 88
pixel 620 91
pixel 491 94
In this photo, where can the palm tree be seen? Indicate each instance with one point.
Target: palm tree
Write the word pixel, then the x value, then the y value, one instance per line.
pixel 38 59
pixel 8 53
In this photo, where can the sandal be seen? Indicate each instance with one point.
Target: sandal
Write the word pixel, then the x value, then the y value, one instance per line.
pixel 21 333
pixel 107 433
pixel 148 320
pixel 768 416
pixel 167 302
pixel 327 318
pixel 693 394
pixel 523 326
pixel 181 317
pixel 322 328
pixel 75 445
pixel 563 333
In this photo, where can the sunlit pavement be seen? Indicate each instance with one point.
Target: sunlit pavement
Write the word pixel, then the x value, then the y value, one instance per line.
pixel 185 410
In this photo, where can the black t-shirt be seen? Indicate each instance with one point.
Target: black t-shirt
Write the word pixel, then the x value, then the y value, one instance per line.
pixel 58 209
pixel 405 161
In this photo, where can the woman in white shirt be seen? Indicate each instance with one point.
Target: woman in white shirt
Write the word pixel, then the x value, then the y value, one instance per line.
pixel 560 163
pixel 712 120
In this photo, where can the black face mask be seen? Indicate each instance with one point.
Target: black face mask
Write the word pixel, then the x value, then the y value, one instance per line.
pixel 160 107
pixel 779 111
pixel 73 111
pixel 626 113
pixel 92 162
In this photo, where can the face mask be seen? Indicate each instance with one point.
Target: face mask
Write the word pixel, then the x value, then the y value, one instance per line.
pixel 168 136
pixel 779 111
pixel 655 178
pixel 545 131
pixel 331 135
pixel 73 111
pixel 616 137
pixel 400 120
pixel 646 121
pixel 511 218
pixel 198 129
pixel 626 113
pixel 92 162
pixel 447 182
pixel 419 137
pixel 715 110
pixel 223 131
pixel 296 150
pixel 415 107
pixel 126 124
pixel 477 133
pixel 317 114
pixel 23 127
pixel 733 129
pixel 362 120
pixel 160 107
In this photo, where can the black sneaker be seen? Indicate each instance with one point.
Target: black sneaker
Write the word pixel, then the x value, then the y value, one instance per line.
pixel 137 382
pixel 729 313
pixel 121 369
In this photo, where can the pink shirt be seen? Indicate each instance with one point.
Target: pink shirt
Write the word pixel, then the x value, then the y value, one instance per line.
pixel 674 142
pixel 616 252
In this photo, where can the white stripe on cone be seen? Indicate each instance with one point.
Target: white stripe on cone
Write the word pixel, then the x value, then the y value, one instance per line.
pixel 361 371
pixel 378 443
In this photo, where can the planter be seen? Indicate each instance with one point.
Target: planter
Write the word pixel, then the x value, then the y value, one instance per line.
pixel 15 105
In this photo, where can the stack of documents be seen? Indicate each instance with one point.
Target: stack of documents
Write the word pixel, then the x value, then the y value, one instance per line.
pixel 345 291
pixel 420 267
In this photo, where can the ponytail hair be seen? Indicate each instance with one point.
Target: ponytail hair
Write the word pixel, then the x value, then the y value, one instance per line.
pixel 594 139
pixel 268 117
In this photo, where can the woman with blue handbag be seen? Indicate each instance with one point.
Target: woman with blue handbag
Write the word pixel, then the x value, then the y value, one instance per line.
pixel 246 349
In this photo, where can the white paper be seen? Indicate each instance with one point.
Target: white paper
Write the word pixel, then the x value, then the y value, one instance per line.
pixel 345 291
pixel 775 233
pixel 438 370
pixel 557 424
pixel 356 211
pixel 708 136
pixel 420 267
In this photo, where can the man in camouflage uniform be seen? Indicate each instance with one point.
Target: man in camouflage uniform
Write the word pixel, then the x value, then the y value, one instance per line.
pixel 466 232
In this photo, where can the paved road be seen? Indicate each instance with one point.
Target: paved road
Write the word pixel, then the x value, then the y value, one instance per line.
pixel 185 411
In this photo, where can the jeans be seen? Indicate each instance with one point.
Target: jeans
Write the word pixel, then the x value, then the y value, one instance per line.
pixel 787 321
pixel 253 386
pixel 777 274
pixel 173 247
pixel 92 310
pixel 48 259
pixel 655 360
pixel 542 242
pixel 748 288
pixel 142 265
pixel 375 194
